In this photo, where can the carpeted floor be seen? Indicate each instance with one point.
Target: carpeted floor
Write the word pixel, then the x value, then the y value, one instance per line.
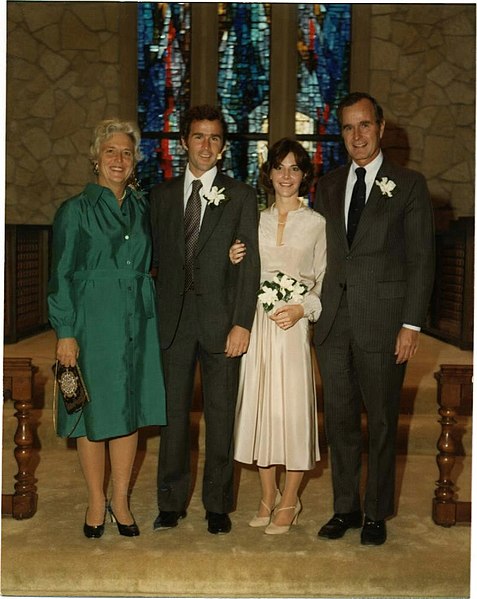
pixel 49 556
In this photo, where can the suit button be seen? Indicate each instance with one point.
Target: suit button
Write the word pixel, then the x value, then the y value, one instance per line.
pixel 348 257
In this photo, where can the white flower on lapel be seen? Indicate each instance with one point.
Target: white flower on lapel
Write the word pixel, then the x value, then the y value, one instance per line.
pixel 386 186
pixel 215 196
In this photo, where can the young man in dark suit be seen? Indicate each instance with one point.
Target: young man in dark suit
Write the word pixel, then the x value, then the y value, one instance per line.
pixel 380 272
pixel 206 307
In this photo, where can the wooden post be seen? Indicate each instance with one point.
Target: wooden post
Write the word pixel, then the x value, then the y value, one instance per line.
pixel 454 385
pixel 18 378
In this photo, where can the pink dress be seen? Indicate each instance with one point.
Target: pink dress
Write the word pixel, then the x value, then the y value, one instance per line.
pixel 276 416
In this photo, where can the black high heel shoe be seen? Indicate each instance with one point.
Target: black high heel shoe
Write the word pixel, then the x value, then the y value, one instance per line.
pixel 93 532
pixel 127 530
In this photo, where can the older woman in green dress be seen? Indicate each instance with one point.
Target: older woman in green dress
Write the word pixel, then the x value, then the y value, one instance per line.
pixel 101 305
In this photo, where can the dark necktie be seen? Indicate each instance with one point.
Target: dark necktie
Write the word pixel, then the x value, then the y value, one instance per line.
pixel 358 200
pixel 191 231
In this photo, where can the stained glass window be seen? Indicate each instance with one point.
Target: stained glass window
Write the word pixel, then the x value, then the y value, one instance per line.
pixel 324 32
pixel 164 87
pixel 243 83
pixel 243 86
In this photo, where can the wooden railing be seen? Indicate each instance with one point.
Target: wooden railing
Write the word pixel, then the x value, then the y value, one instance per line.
pixel 451 313
pixel 17 385
pixel 27 259
pixel 454 392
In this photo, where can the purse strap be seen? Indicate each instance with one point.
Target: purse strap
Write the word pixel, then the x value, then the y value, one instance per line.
pixel 55 396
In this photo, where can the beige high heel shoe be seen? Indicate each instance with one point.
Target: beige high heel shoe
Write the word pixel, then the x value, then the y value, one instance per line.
pixel 275 529
pixel 258 521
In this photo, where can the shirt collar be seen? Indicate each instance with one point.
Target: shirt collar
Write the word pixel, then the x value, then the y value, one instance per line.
pixel 94 192
pixel 371 169
pixel 206 179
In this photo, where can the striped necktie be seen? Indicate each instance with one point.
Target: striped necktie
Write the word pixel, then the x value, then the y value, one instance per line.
pixel 358 200
pixel 191 231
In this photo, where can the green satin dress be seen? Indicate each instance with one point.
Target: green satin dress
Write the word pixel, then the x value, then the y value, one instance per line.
pixel 101 293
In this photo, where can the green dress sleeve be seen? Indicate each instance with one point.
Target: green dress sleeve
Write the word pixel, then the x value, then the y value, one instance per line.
pixel 61 301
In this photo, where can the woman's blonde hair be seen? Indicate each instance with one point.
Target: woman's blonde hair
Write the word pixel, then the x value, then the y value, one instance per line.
pixel 106 128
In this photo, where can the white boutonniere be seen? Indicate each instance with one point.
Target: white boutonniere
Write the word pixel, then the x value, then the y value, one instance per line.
pixel 386 186
pixel 280 288
pixel 215 196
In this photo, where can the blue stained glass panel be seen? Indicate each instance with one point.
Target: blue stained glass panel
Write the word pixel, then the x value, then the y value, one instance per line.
pixel 324 35
pixel 243 85
pixel 164 87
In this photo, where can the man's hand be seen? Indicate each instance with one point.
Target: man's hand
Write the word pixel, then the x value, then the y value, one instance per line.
pixel 406 345
pixel 237 341
pixel 67 351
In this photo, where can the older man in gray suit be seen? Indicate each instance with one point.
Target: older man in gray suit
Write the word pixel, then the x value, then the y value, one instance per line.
pixel 206 309
pixel 380 272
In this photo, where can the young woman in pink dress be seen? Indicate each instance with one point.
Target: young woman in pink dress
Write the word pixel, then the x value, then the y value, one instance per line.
pixel 276 417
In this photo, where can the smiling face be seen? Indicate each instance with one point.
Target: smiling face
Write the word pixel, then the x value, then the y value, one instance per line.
pixel 116 162
pixel 286 177
pixel 204 145
pixel 361 132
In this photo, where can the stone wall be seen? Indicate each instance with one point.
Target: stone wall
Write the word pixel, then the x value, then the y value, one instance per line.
pixel 422 68
pixel 63 76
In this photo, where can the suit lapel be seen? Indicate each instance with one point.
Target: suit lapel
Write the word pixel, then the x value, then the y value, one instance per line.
pixel 375 204
pixel 336 201
pixel 212 215
pixel 175 212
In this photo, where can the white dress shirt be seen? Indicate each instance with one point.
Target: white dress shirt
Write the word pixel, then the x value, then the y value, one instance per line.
pixel 371 171
pixel 207 179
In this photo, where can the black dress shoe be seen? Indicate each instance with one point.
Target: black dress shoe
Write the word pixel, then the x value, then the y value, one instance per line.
pixel 126 530
pixel 339 524
pixel 167 520
pixel 218 523
pixel 93 532
pixel 374 532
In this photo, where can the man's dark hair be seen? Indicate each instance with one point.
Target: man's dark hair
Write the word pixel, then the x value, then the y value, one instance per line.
pixel 355 97
pixel 204 112
pixel 277 153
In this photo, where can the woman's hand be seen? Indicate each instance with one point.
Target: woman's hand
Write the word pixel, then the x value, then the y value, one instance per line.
pixel 67 351
pixel 287 316
pixel 237 252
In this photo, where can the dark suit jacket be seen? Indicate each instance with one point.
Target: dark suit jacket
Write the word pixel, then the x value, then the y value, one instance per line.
pixel 389 270
pixel 226 294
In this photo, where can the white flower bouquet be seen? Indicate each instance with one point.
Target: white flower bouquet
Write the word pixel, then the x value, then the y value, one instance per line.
pixel 281 288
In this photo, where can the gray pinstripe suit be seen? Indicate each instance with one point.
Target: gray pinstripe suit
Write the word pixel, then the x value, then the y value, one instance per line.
pixel 194 326
pixel 369 290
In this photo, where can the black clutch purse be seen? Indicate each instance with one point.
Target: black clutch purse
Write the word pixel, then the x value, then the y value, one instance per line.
pixel 72 387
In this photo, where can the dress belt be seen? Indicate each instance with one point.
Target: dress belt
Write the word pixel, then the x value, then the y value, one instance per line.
pixel 147 291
